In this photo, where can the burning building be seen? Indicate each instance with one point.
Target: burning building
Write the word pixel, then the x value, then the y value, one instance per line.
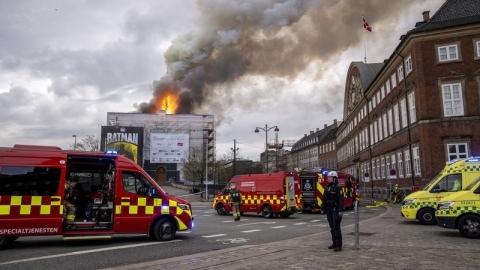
pixel 160 142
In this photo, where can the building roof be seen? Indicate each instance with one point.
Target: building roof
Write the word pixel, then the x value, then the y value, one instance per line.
pixel 451 13
pixel 368 72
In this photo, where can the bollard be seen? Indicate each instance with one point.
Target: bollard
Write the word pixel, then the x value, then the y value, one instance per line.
pixel 357 225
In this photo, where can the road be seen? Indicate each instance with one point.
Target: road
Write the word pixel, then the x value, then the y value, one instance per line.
pixel 211 232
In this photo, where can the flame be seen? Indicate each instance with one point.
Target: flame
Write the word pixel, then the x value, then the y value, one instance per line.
pixel 167 102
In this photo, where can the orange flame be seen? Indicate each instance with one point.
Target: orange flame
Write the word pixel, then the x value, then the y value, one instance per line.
pixel 167 102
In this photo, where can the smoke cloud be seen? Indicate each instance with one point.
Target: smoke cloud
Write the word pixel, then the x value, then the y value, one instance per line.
pixel 269 38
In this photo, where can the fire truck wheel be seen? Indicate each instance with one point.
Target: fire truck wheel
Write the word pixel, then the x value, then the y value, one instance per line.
pixel 469 226
pixel 427 216
pixel 6 240
pixel 221 210
pixel 3 242
pixel 267 211
pixel 164 230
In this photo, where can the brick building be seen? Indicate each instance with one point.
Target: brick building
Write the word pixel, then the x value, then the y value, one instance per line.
pixel 418 109
pixel 315 150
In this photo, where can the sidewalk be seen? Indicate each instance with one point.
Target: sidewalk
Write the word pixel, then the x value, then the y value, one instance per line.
pixel 386 242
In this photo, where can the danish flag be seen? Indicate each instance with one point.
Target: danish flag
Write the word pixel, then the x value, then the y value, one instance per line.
pixel 366 26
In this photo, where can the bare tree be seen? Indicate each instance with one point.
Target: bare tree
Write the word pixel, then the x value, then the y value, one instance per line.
pixel 90 143
pixel 194 167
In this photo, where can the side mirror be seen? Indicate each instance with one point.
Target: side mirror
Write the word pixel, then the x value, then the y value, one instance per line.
pixel 153 193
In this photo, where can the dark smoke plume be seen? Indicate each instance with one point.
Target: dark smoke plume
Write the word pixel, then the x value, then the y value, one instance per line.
pixel 272 38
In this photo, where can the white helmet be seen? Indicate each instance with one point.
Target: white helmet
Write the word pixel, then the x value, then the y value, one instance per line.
pixel 332 174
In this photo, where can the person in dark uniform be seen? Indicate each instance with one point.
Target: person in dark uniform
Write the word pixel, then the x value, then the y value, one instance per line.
pixel 70 203
pixel 333 205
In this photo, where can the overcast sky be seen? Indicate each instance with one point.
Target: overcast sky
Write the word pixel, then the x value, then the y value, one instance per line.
pixel 65 64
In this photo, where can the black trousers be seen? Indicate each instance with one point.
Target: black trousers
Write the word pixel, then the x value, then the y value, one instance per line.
pixel 334 222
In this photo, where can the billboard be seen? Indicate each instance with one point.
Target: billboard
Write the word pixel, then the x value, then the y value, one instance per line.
pixel 169 148
pixel 127 141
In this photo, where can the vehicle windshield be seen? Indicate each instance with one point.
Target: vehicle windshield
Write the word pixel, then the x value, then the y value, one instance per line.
pixel 473 184
pixel 427 187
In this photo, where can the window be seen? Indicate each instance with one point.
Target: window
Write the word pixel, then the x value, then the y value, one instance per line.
pixel 411 105
pixel 452 100
pixel 29 181
pixel 450 183
pixel 378 168
pixel 397 117
pixel 385 129
pixel 390 121
pixel 383 167
pixel 394 167
pixel 416 160
pixel 387 85
pixel 372 141
pixel 408 65
pixel 408 167
pixel 403 109
pixel 476 48
pixel 394 80
pixel 457 150
pixel 400 73
pixel 400 164
pixel 380 130
pixel 373 170
pixel 136 183
pixel 447 53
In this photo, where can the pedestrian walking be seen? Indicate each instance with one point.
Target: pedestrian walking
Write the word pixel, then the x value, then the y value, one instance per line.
pixel 333 205
pixel 235 200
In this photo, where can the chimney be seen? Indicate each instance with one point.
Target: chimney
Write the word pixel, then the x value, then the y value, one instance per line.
pixel 304 135
pixel 426 16
pixel 318 129
pixel 325 126
pixel 311 132
pixel 335 122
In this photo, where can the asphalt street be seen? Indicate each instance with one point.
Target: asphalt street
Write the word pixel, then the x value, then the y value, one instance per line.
pixel 387 241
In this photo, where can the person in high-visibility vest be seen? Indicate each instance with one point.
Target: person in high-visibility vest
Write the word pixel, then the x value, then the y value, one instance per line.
pixel 69 203
pixel 235 199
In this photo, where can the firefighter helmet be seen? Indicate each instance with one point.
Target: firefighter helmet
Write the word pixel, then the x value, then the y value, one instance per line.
pixel 332 174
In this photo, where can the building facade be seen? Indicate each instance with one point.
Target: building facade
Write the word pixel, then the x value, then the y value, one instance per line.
pixel 404 118
pixel 315 150
pixel 168 140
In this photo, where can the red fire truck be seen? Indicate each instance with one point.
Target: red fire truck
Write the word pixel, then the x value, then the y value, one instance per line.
pixel 270 194
pixel 312 185
pixel 113 196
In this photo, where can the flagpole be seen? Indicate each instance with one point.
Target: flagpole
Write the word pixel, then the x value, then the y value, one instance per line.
pixel 364 43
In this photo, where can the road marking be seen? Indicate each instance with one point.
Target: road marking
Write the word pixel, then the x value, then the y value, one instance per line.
pixel 315 220
pixel 251 231
pixel 208 215
pixel 267 222
pixel 213 235
pixel 278 227
pixel 88 251
pixel 302 223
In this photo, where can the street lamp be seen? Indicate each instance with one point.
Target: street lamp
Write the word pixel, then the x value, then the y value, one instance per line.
pixel 75 143
pixel 266 129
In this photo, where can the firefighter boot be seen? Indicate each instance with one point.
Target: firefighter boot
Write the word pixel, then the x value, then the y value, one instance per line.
pixel 337 249
pixel 332 246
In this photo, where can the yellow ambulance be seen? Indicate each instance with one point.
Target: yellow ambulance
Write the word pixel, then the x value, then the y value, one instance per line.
pixel 457 174
pixel 461 211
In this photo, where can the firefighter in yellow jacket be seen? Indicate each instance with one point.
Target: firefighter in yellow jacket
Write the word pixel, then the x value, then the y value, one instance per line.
pixel 69 203
pixel 235 200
